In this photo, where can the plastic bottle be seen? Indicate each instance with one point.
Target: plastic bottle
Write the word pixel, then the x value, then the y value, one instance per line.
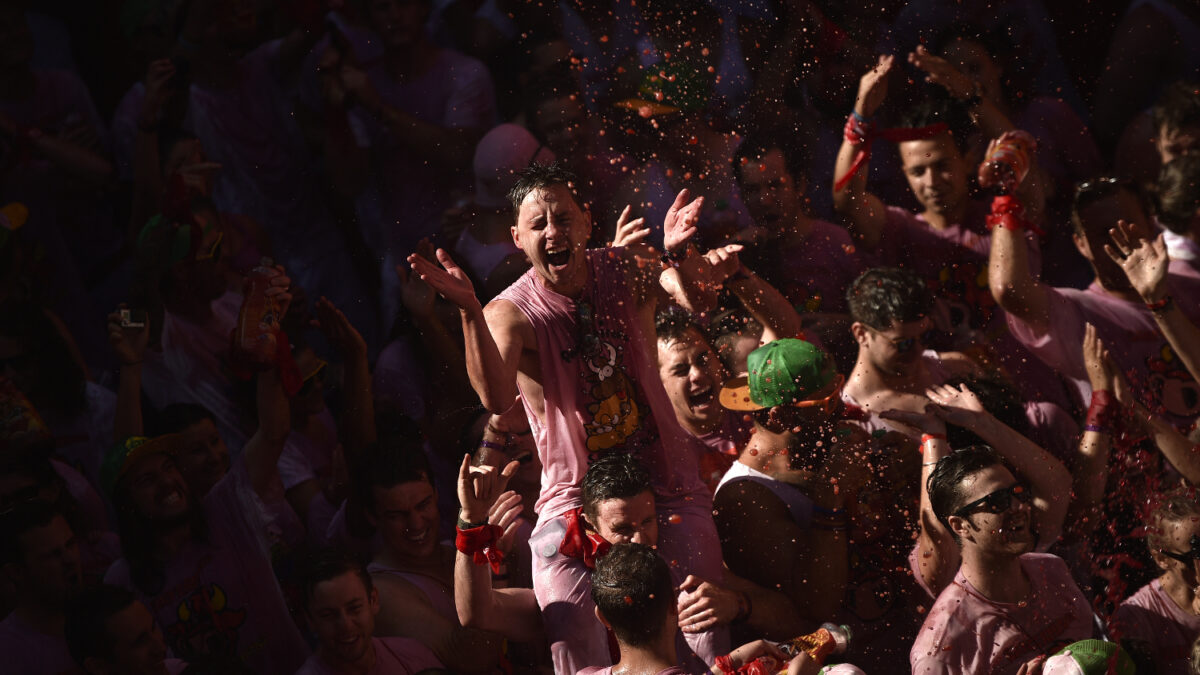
pixel 255 328
pixel 1008 163
pixel 828 639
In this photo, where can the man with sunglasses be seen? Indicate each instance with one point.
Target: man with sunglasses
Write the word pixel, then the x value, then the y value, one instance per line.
pixel 1050 321
pixel 1006 605
pixel 1162 619
pixel 799 512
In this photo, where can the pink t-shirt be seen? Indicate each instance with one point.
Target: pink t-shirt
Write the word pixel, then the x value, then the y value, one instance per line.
pixel 219 595
pixel 954 264
pixel 814 274
pixel 967 633
pixel 393 656
pixel 1131 335
pixel 607 398
pixel 595 670
pixel 30 652
pixel 1151 616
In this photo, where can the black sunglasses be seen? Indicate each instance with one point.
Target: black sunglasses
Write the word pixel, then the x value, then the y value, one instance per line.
pixel 1090 191
pixel 999 501
pixel 1190 556
pixel 904 345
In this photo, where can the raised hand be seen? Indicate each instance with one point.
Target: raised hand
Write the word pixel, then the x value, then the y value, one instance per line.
pixel 926 421
pixel 504 514
pixel 338 330
pixel 629 231
pixel 279 290
pixel 680 224
pixel 723 262
pixel 449 280
pixel 958 406
pixel 479 488
pixel 703 605
pixel 158 91
pixel 941 72
pixel 872 87
pixel 1144 261
pixel 129 344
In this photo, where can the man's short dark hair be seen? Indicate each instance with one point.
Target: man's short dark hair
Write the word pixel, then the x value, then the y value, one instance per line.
pixel 1179 193
pixel 18 520
pixel 87 613
pixel 936 109
pixel 882 295
pixel 326 564
pixel 724 331
pixel 616 475
pixel 1178 107
pixel 632 588
pixel 538 176
pixel 673 322
pixel 945 482
pixel 756 146
pixel 388 465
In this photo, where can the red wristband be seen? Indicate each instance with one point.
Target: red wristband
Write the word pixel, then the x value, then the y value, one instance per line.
pixel 1159 305
pixel 725 665
pixel 480 544
pixel 1103 410
pixel 925 438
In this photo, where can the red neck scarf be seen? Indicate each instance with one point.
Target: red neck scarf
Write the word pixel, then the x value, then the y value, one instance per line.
pixel 579 543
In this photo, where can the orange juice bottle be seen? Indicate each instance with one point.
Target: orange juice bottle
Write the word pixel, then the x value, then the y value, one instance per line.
pixel 255 336
pixel 828 639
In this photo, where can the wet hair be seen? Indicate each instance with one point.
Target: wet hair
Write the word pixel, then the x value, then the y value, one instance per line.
pixel 87 613
pixel 882 295
pixel 1170 507
pixel 326 564
pixel 756 146
pixel 1178 195
pixel 1092 190
pixel 632 588
pixel 616 475
pixel 1178 107
pixel 724 331
pixel 387 466
pixel 176 417
pixel 539 176
pixel 945 482
pixel 941 108
pixel 999 398
pixel 673 322
pixel 17 521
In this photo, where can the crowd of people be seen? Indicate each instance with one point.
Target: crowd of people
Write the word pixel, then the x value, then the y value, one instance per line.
pixel 599 336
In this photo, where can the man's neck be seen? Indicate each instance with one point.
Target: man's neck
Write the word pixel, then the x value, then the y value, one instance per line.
pixel 799 230
pixel 362 666
pixel 944 219
pixel 767 452
pixel 999 578
pixel 866 380
pixel 573 287
pixel 702 427
pixel 647 659
pixel 434 563
pixel 171 541
pixel 1126 294
pixel 1180 592
pixel 45 618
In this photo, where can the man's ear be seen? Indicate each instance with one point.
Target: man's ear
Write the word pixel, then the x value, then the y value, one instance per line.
pixel 515 236
pixel 373 600
pixel 859 331
pixel 959 526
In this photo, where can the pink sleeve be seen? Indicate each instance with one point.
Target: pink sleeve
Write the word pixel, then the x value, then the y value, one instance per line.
pixel 1059 346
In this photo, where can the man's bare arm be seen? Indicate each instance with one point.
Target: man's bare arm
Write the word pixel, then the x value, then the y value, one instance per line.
pixel 864 212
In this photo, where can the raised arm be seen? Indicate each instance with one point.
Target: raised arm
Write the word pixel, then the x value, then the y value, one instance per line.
pixel 492 357
pixel 864 212
pixel 129 345
pixel 510 612
pixel 1145 262
pixel 1013 285
pixel 262 451
pixel 1091 470
pixel 357 426
pixel 990 120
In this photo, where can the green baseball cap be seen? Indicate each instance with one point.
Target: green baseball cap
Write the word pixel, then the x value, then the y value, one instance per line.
pixel 1090 657
pixel 783 372
pixel 123 455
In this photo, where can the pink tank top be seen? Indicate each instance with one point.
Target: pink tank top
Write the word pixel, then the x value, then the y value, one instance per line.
pixel 601 387
pixel 439 596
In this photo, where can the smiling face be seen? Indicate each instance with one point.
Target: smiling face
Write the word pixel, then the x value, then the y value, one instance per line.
pixel 621 521
pixel 773 196
pixel 1172 143
pixel 552 230
pixel 203 457
pixel 937 174
pixel 137 642
pixel 1010 532
pixel 342 614
pixel 406 516
pixel 157 489
pixel 1176 538
pixel 692 375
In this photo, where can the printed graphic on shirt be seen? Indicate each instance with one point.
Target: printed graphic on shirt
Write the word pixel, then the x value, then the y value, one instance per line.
pixel 207 625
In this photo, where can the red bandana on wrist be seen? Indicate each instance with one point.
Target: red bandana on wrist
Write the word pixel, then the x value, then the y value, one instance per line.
pixel 480 544
pixel 861 134
pixel 581 544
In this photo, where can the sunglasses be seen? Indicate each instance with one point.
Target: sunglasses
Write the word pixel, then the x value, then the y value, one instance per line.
pixel 827 404
pixel 1090 191
pixel 1186 558
pixel 904 345
pixel 996 502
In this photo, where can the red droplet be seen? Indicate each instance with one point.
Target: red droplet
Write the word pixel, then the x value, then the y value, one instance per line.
pixel 628 600
pixel 675 519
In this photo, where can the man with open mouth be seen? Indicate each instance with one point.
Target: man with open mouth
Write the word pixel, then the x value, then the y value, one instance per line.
pixel 575 337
